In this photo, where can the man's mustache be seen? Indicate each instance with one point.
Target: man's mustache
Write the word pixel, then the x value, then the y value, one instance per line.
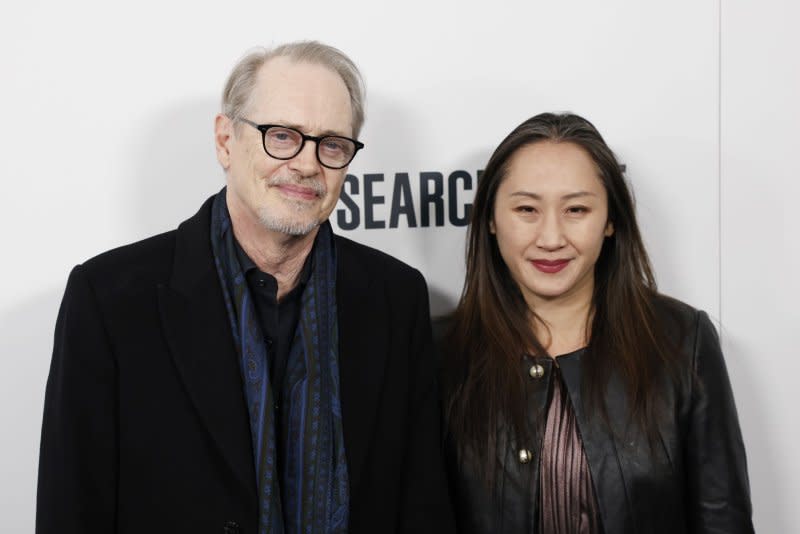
pixel 315 185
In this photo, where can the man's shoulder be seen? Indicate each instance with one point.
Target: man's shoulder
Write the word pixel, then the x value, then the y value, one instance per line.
pixel 146 261
pixel 145 251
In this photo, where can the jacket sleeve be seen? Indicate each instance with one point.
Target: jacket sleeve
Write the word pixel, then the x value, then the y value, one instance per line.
pixel 718 488
pixel 78 459
pixel 426 506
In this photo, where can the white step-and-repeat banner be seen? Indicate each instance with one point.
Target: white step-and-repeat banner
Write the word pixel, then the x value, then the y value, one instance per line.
pixel 107 139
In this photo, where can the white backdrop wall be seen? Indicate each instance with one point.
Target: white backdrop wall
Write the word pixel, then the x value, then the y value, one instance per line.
pixel 760 245
pixel 108 139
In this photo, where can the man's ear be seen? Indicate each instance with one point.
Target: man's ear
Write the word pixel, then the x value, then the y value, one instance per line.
pixel 223 134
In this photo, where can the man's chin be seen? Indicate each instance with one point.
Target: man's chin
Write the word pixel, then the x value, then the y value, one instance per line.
pixel 288 226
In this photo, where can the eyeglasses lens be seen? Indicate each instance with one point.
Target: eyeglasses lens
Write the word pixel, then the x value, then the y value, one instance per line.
pixel 285 143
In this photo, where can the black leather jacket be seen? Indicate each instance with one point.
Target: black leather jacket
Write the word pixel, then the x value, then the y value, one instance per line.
pixel 695 481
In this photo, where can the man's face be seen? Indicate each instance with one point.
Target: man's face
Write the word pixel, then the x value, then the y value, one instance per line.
pixel 285 196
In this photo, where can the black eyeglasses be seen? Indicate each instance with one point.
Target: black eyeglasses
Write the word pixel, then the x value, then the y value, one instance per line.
pixel 282 142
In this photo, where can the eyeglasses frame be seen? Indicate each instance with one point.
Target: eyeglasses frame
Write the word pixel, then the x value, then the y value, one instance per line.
pixel 305 137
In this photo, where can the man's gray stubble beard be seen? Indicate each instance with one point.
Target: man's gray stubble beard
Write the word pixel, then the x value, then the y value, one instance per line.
pixel 285 225
pixel 279 224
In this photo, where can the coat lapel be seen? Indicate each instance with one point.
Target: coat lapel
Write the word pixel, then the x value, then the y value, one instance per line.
pixel 601 450
pixel 362 353
pixel 198 332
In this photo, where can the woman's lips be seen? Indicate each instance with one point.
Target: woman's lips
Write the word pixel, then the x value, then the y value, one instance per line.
pixel 550 266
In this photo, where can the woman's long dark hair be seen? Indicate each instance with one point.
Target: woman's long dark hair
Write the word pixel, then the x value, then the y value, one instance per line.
pixel 492 326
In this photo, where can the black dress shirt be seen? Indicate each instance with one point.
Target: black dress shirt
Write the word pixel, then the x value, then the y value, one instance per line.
pixel 278 319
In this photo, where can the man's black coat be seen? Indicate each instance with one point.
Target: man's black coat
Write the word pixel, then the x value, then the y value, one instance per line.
pixel 145 423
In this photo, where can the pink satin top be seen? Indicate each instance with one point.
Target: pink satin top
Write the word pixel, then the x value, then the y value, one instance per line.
pixel 567 503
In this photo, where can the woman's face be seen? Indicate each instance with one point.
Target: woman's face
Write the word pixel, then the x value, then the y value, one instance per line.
pixel 550 220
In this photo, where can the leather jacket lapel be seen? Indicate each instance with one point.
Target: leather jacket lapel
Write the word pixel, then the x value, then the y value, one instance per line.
pixel 600 447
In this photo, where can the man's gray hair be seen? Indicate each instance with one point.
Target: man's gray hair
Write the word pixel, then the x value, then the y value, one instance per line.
pixel 242 80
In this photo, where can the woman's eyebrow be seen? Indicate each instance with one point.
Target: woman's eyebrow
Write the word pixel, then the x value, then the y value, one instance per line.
pixel 568 196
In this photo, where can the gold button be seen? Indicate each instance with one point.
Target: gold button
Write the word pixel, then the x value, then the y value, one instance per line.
pixel 525 456
pixel 536 371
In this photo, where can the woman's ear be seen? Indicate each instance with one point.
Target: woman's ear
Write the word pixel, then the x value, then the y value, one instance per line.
pixel 609 229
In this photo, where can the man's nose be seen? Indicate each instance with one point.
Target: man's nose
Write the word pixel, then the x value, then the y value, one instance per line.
pixel 305 162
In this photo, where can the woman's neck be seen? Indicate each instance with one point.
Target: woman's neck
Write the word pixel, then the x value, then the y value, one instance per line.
pixel 562 325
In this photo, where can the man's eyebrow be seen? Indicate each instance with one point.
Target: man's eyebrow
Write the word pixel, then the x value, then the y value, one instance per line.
pixel 301 128
pixel 332 132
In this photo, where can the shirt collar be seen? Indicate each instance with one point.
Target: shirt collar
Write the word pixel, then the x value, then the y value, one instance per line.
pixel 248 265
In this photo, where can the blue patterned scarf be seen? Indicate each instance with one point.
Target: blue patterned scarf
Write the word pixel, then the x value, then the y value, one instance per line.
pixel 310 493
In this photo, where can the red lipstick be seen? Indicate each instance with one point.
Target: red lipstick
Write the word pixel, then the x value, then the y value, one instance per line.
pixel 550 266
